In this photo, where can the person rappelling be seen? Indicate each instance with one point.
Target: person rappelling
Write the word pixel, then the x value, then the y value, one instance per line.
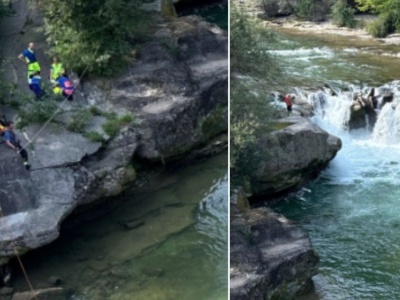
pixel 56 70
pixel 64 87
pixel 15 144
pixel 28 57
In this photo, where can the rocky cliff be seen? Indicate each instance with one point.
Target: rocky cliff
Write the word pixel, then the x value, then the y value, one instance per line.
pixel 176 92
pixel 271 257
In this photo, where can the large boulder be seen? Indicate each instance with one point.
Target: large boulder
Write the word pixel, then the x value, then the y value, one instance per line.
pixel 270 257
pixel 290 156
pixel 177 89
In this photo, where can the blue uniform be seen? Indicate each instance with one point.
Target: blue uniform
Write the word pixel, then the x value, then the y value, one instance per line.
pixel 35 85
pixel 10 136
pixel 29 55
pixel 66 85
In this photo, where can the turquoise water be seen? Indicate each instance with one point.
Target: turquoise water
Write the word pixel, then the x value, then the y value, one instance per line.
pixel 312 61
pixel 179 252
pixel 352 210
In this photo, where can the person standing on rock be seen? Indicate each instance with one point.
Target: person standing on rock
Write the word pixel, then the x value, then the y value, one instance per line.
pixel 56 70
pixel 28 57
pixel 14 143
pixel 289 98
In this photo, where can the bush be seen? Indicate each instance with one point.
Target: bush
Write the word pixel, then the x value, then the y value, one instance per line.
pixel 95 111
pixel 378 28
pixel 250 113
pixel 389 16
pixel 248 43
pixel 114 123
pixel 94 136
pixel 343 15
pixel 36 112
pixel 78 121
pixel 305 10
pixel 94 34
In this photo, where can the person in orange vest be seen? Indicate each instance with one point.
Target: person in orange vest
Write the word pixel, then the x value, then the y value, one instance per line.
pixel 289 103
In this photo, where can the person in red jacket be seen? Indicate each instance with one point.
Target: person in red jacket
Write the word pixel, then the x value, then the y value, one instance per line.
pixel 288 100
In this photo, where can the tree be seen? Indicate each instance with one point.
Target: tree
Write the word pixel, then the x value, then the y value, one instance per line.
pixel 389 15
pixel 253 74
pixel 342 14
pixel 94 34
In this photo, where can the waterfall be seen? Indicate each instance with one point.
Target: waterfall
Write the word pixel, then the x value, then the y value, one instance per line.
pixel 332 110
pixel 387 127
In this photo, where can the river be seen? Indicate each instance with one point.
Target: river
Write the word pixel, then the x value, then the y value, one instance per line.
pixel 176 248
pixel 351 210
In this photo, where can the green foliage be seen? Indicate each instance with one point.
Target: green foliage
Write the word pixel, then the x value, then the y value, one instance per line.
pixel 114 123
pixel 248 43
pixel 79 120
pixel 305 10
pixel 94 136
pixel 378 28
pixel 126 119
pixel 95 111
pixel 96 34
pixel 389 16
pixel 343 15
pixel 33 111
pixel 250 109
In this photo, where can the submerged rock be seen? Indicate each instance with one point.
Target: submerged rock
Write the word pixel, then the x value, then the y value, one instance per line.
pixel 271 257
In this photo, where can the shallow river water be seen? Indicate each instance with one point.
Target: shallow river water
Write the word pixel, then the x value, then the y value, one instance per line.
pixel 352 211
pixel 178 249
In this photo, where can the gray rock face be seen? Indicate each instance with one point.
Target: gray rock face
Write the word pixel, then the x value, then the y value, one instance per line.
pixel 177 89
pixel 56 146
pixel 292 155
pixel 16 185
pixel 271 258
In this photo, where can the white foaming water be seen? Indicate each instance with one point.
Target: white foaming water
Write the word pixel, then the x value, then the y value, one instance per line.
pixel 365 157
pixel 305 53
pixel 387 127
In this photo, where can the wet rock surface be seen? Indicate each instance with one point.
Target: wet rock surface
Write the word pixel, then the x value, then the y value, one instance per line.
pixel 271 257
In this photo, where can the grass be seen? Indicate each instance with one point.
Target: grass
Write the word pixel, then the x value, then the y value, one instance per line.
pixel 114 123
pixel 78 121
pixel 279 125
pixel 94 136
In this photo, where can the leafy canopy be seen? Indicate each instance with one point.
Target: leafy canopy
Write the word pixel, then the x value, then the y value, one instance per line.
pixel 97 34
pixel 389 15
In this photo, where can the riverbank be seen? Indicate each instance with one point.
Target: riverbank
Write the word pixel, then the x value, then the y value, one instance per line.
pixel 328 28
